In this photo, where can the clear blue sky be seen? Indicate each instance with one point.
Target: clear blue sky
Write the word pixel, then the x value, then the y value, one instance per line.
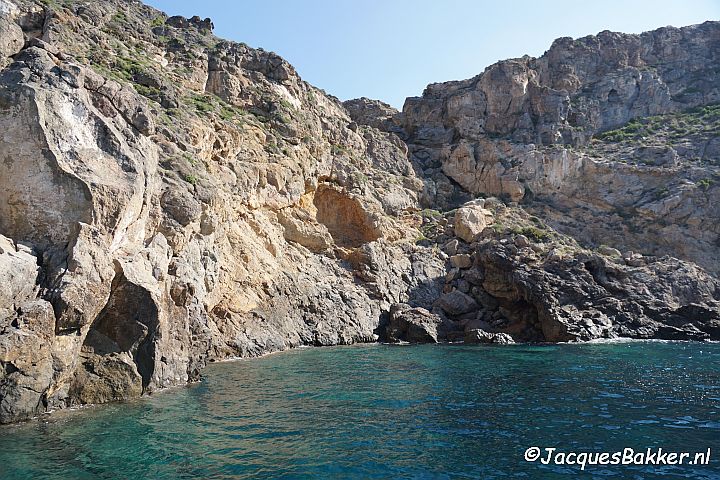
pixel 391 49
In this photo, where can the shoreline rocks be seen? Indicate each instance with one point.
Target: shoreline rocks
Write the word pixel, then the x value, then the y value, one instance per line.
pixel 168 199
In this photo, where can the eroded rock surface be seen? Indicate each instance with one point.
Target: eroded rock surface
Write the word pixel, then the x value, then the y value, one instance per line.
pixel 611 138
pixel 414 325
pixel 168 198
pixel 536 285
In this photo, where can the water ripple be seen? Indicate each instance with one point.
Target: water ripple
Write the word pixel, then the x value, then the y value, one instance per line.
pixel 420 412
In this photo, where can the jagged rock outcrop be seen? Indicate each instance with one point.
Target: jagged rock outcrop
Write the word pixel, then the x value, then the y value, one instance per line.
pixel 374 113
pixel 481 336
pixel 517 279
pixel 414 325
pixel 616 128
pixel 582 296
pixel 527 281
pixel 168 198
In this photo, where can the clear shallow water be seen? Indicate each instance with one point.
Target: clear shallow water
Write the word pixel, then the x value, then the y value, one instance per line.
pixel 378 411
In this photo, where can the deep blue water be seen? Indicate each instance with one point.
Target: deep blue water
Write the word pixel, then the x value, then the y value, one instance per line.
pixel 377 411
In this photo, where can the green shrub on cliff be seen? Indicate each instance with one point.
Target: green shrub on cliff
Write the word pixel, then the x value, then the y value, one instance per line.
pixel 699 120
pixel 706 183
pixel 533 233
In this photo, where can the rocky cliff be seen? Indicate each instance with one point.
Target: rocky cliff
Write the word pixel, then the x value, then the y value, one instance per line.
pixel 612 138
pixel 168 198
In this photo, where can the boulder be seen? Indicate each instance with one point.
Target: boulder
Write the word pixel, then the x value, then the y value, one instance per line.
pixel 481 336
pixel 180 204
pixel 414 325
pixel 470 221
pixel 457 303
pixel 609 251
pixel 521 241
pixel 11 40
pixel 461 261
pixel 451 247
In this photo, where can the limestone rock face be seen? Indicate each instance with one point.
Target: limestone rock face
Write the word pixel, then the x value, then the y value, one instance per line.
pixel 374 113
pixel 11 39
pixel 611 138
pixel 546 100
pixel 167 198
pixel 302 228
pixel 27 332
pixel 18 273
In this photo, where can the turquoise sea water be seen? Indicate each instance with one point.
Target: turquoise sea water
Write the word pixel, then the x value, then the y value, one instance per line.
pixel 377 411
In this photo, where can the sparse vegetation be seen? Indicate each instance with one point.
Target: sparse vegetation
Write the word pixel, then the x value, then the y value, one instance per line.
pixel 285 104
pixel 57 4
pixel 338 149
pixel 431 214
pixel 662 192
pixel 126 67
pixel 202 103
pixel 420 239
pixel 706 183
pixel 152 93
pixel 700 120
pixel 536 220
pixel 157 21
pixel 205 104
pixel 360 178
pixel 190 159
pixel 498 227
pixel 119 17
pixel 533 233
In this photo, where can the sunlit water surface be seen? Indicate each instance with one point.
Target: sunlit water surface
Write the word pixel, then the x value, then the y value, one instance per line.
pixel 379 411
